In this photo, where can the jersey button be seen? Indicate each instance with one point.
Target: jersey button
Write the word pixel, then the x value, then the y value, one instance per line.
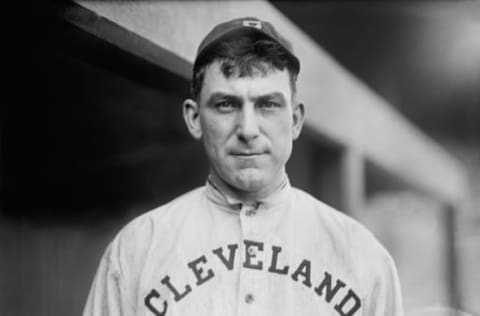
pixel 251 251
pixel 250 213
pixel 249 298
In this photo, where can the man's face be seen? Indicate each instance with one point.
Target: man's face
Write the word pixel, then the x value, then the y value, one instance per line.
pixel 247 126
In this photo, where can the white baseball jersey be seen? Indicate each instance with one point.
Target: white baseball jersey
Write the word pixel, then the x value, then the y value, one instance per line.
pixel 206 253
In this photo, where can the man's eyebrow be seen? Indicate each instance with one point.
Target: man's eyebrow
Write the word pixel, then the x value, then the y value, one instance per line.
pixel 221 95
pixel 273 95
pixel 267 96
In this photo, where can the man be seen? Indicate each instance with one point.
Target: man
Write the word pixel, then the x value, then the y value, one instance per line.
pixel 246 243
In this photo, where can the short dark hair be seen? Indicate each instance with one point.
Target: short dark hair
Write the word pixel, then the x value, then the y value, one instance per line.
pixel 243 56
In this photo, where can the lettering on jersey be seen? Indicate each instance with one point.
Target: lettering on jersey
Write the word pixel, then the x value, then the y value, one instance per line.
pixel 148 302
pixel 231 257
pixel 332 290
pixel 177 296
pixel 340 308
pixel 251 250
pixel 327 286
pixel 273 266
pixel 198 270
pixel 303 270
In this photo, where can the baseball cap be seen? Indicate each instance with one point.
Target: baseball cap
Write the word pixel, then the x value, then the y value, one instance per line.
pixel 241 26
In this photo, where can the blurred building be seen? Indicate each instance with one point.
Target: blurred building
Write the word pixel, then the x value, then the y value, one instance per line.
pixel 93 135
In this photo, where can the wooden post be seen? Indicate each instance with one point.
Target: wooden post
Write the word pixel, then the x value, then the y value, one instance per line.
pixel 452 256
pixel 337 177
pixel 352 182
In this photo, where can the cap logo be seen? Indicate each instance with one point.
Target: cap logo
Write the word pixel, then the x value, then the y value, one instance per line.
pixel 252 23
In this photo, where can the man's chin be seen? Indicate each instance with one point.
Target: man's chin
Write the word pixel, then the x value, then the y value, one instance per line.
pixel 249 187
pixel 250 182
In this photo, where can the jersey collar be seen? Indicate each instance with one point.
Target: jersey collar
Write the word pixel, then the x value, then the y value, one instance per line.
pixel 222 198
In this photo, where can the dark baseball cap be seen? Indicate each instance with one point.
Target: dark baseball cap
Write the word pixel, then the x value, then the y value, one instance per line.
pixel 242 26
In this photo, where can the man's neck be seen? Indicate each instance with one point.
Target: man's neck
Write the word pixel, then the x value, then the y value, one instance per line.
pixel 248 197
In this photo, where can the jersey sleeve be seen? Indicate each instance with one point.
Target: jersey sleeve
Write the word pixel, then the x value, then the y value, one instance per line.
pixel 109 292
pixel 114 290
pixel 385 297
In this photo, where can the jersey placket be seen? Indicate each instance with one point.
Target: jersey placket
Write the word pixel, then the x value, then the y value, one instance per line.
pixel 253 280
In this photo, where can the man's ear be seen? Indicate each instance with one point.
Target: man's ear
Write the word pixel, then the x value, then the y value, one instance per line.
pixel 191 116
pixel 298 119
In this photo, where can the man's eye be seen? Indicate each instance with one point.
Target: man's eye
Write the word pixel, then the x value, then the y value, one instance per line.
pixel 225 105
pixel 269 105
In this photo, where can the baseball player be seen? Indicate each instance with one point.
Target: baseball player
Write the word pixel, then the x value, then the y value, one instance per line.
pixel 247 242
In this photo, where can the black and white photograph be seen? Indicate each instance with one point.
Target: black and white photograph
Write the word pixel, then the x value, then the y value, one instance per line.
pixel 244 157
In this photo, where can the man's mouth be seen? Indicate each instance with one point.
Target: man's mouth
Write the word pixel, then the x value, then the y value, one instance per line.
pixel 247 154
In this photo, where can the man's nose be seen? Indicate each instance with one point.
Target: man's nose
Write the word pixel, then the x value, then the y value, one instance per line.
pixel 247 127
